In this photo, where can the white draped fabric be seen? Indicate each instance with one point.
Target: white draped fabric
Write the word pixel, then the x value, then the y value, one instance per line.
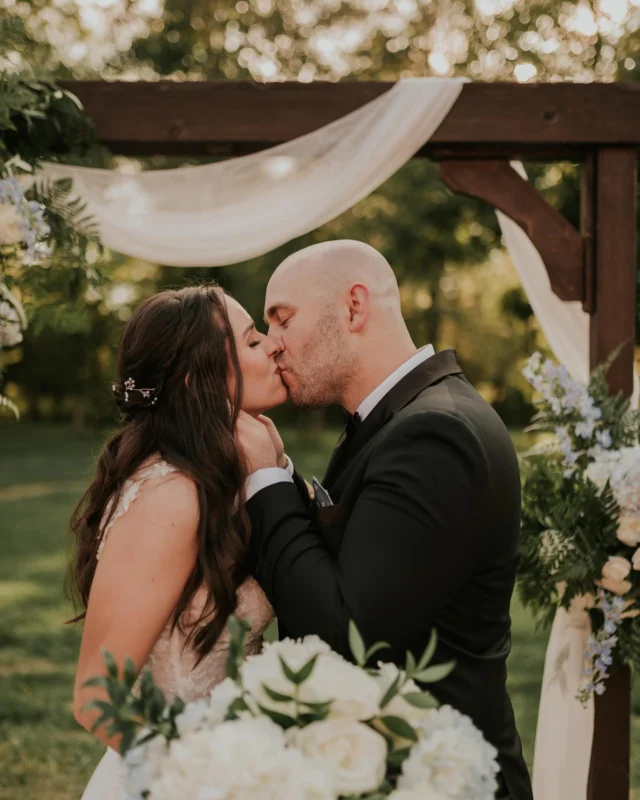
pixel 230 211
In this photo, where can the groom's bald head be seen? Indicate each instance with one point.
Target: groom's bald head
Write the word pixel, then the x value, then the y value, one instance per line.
pixel 330 268
pixel 331 307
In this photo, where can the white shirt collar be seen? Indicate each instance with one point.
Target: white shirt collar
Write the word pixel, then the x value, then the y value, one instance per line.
pixel 370 402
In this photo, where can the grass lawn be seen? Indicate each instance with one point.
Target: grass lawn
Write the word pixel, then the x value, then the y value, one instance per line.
pixel 44 755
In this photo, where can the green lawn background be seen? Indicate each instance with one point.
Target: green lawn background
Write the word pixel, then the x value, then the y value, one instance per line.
pixel 44 755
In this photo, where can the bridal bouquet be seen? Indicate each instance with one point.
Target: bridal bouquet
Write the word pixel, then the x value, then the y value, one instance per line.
pixel 581 515
pixel 299 722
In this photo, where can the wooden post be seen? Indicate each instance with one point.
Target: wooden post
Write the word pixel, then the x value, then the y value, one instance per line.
pixel 609 225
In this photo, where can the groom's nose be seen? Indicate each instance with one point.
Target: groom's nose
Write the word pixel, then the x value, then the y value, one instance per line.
pixel 273 342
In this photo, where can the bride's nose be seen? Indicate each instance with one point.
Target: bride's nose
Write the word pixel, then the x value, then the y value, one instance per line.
pixel 272 346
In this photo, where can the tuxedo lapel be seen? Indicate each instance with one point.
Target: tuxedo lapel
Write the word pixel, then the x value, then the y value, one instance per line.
pixel 438 366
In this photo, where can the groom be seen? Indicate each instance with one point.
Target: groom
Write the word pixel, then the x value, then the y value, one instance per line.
pixel 424 530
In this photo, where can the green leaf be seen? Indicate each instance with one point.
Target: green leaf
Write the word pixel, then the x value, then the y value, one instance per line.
pixel 374 649
pixel 305 672
pixel 436 673
pixel 392 691
pixel 397 757
pixel 283 720
pixel 130 672
pixel 400 727
pixel 239 704
pixel 314 716
pixel 356 643
pixel 290 675
pixel 410 665
pixel 429 651
pixel 276 696
pixel 112 666
pixel 101 705
pixel 319 707
pixel 420 699
pixel 100 681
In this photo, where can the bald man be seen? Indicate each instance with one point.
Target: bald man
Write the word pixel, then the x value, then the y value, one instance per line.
pixel 424 530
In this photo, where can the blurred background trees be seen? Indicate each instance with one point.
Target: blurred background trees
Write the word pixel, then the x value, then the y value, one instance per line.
pixel 458 286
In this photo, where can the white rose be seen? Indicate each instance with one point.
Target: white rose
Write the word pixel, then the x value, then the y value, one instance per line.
pixel 10 225
pixel 635 561
pixel 629 529
pixel 245 758
pixel 617 568
pixel 353 754
pixel 354 693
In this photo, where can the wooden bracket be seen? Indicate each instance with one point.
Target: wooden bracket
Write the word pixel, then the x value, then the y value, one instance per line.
pixel 560 245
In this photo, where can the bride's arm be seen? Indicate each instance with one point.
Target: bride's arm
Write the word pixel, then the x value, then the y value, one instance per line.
pixel 148 556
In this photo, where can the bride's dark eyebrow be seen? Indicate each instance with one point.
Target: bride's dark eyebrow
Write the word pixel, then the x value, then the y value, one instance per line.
pixel 249 328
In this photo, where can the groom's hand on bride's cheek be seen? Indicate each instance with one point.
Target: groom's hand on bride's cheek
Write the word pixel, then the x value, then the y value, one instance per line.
pixel 256 443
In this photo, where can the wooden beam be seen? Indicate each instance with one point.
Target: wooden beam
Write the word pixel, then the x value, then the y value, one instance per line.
pixel 615 264
pixel 558 242
pixel 610 212
pixel 145 117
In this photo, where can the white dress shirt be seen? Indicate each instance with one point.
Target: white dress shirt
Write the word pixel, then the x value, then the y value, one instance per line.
pixel 267 477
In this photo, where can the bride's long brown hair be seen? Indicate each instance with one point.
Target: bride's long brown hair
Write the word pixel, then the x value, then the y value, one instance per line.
pixel 178 346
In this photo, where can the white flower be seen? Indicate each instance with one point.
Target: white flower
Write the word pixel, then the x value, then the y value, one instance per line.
pixel 354 693
pixel 11 225
pixel 603 437
pixel 616 568
pixel 451 757
pixel 351 753
pixel 245 759
pixel 635 561
pixel 143 764
pixel 585 429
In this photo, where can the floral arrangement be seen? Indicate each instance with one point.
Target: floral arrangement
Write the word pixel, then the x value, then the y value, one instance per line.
pixel 298 720
pixel 48 243
pixel 581 515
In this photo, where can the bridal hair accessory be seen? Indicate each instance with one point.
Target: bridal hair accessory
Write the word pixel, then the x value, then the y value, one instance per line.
pixel 130 386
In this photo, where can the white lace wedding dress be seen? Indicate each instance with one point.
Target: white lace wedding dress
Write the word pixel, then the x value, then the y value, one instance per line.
pixel 173 670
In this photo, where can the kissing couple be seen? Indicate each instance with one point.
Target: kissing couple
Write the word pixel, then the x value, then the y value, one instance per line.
pixel 196 513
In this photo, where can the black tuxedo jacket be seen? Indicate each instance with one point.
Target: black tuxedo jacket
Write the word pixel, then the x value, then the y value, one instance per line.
pixel 425 533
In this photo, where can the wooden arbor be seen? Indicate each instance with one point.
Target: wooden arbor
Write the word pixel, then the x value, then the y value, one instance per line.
pixel 595 124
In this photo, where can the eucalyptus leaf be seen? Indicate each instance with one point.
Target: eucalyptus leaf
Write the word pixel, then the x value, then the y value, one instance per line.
pixel 277 697
pixel 435 673
pixel 356 643
pixel 283 720
pixel 429 651
pixel 392 691
pixel 420 699
pixel 400 727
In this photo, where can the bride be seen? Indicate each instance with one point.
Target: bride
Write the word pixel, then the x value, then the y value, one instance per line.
pixel 161 555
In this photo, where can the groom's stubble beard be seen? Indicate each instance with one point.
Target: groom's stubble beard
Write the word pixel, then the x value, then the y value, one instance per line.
pixel 325 365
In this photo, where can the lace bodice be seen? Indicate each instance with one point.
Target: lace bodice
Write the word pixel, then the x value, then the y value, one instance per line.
pixel 173 669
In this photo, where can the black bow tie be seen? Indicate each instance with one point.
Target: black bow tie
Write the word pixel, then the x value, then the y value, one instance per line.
pixel 351 422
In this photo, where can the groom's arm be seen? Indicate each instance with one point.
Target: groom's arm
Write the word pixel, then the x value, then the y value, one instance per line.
pixel 410 541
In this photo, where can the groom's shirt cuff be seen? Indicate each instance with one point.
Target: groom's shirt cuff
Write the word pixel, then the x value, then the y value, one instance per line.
pixel 267 477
